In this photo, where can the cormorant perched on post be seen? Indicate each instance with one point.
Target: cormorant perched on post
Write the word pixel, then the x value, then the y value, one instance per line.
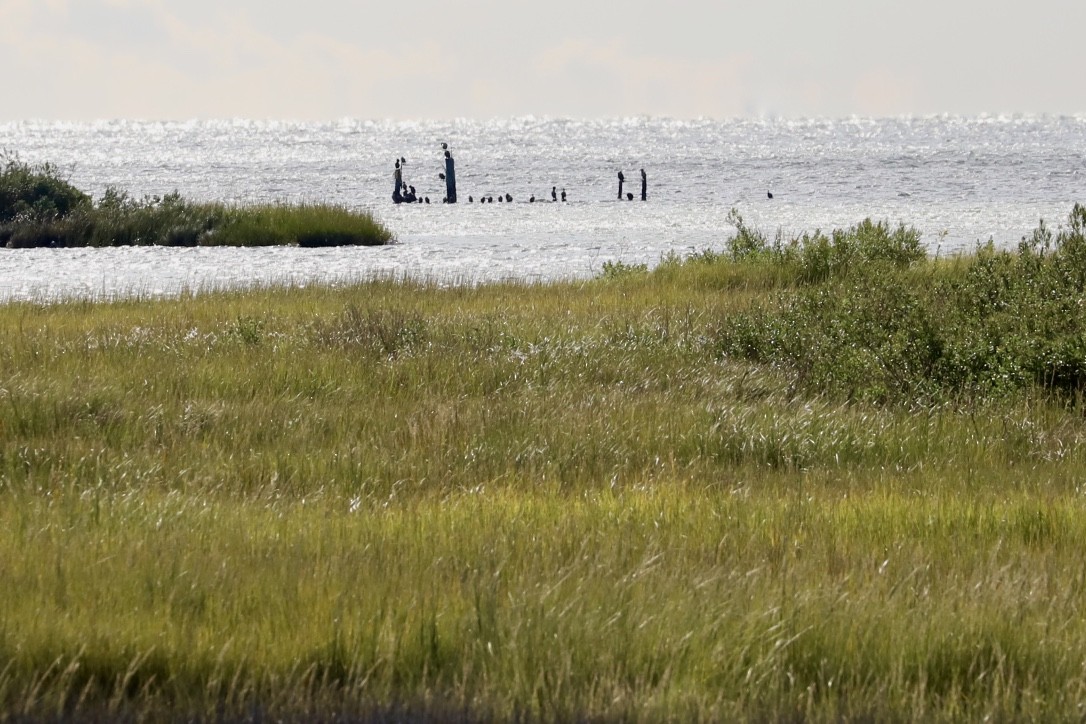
pixel 397 180
pixel 554 193
pixel 450 175
pixel 563 194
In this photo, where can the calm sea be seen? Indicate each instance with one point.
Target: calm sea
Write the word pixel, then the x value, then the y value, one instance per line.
pixel 960 181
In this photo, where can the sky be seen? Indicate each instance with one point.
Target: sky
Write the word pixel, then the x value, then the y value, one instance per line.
pixel 444 59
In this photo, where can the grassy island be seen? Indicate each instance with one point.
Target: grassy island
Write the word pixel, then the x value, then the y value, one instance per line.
pixel 818 479
pixel 39 208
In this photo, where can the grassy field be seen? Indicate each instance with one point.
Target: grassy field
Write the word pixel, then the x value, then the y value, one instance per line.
pixel 817 480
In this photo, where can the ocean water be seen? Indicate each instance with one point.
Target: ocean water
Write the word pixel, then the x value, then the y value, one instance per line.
pixel 959 181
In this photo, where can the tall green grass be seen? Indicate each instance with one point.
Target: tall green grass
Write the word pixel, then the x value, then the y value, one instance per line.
pixel 576 501
pixel 788 601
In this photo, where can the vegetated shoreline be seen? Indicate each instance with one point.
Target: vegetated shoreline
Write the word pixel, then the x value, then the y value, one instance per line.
pixel 825 479
pixel 38 208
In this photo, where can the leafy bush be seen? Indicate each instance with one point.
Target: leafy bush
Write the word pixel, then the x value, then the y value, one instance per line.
pixel 869 324
pixel 815 257
pixel 35 193
pixel 622 270
pixel 747 242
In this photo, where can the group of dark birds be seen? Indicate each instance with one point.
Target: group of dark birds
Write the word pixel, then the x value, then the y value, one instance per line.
pixel 508 198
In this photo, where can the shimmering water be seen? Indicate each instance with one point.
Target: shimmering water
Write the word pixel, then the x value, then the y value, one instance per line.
pixel 960 181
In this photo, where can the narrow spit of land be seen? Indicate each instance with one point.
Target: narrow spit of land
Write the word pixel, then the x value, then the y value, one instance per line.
pixel 822 479
pixel 39 208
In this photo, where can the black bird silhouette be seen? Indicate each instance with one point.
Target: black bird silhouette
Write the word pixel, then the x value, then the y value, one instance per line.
pixel 444 146
pixel 769 194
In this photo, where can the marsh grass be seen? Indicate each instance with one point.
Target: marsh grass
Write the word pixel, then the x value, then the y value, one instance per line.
pixel 566 502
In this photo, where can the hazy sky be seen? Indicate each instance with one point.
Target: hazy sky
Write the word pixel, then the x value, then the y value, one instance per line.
pixel 329 59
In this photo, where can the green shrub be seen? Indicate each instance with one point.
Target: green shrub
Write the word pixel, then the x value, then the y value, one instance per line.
pixel 747 242
pixel 815 257
pixel 622 270
pixel 867 323
pixel 33 193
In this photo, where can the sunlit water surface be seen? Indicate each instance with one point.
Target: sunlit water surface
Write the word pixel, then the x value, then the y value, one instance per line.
pixel 960 181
